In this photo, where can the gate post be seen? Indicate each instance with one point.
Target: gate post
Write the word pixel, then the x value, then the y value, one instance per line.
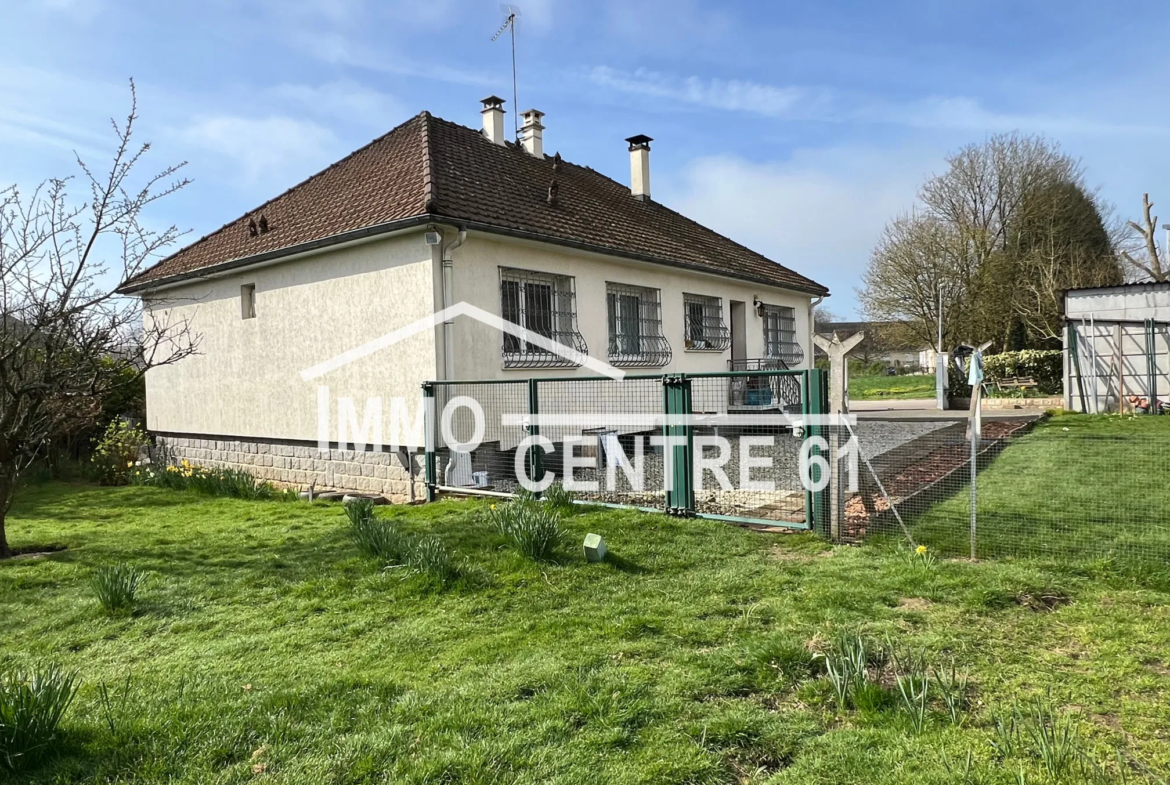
pixel 430 424
pixel 817 405
pixel 838 351
pixel 680 489
pixel 535 464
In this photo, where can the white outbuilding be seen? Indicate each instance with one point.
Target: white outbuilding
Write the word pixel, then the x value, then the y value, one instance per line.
pixel 1117 346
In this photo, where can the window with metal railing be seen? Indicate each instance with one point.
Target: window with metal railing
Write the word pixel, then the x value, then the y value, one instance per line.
pixel 542 304
pixel 780 335
pixel 703 323
pixel 635 326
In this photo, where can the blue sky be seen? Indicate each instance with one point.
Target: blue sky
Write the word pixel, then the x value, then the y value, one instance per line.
pixel 798 128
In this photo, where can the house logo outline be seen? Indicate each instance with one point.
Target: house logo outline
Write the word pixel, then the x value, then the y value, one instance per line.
pixel 446 315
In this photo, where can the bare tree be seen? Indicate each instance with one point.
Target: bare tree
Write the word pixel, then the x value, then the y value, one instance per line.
pixel 67 339
pixel 966 242
pixel 822 316
pixel 917 258
pixel 1153 268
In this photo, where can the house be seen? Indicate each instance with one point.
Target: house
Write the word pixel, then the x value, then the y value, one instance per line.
pixel 430 215
pixel 1117 345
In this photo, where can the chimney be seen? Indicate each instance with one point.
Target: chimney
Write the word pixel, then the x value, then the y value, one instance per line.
pixel 493 119
pixel 640 166
pixel 530 132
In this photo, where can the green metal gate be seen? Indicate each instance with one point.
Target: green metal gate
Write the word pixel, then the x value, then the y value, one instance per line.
pixel 693 416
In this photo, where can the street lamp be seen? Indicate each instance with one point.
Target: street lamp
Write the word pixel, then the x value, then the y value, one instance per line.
pixel 940 360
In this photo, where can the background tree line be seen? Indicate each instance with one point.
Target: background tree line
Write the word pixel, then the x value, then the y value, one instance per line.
pixel 1000 235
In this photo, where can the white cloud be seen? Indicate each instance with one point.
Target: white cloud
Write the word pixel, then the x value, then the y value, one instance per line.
pixel 338 49
pixel 819 212
pixel 732 94
pixel 276 148
pixel 344 99
pixel 797 102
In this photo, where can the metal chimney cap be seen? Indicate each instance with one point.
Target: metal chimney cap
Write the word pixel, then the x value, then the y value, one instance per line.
pixel 639 141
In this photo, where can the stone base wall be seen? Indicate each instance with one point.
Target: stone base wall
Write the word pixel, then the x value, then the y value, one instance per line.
pixel 1000 404
pixel 298 464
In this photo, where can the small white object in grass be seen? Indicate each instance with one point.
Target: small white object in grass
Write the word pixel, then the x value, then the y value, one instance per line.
pixel 594 547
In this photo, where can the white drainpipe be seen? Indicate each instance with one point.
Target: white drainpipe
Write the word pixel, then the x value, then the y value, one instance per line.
pixel 448 301
pixel 812 329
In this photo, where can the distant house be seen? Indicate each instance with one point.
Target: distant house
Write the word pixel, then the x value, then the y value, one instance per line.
pixel 1117 345
pixel 433 214
pixel 881 345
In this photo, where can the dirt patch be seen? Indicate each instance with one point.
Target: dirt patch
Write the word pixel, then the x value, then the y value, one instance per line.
pixel 1042 600
pixel 914 604
pixel 34 552
pixel 1159 668
pixel 1109 721
pixel 780 553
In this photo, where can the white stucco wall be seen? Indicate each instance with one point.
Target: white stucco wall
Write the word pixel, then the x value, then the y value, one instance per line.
pixel 476 278
pixel 246 381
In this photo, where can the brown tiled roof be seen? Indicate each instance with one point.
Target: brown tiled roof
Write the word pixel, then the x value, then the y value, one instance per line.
pixel 430 169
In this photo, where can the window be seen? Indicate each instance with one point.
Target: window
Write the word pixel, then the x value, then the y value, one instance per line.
pixel 635 326
pixel 703 323
pixel 248 301
pixel 780 335
pixel 542 304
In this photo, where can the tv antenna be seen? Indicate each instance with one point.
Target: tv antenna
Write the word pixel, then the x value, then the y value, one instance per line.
pixel 511 12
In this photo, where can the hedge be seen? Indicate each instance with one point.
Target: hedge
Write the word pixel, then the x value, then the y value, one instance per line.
pixel 1046 366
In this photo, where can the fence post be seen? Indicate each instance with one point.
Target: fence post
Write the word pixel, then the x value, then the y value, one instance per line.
pixel 817 395
pixel 1151 368
pixel 1076 363
pixel 535 462
pixel 429 439
pixel 680 490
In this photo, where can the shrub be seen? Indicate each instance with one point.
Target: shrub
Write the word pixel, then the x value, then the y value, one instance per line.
pixel 359 510
pixel 379 539
pixel 1044 365
pixel 778 659
pixel 31 707
pixel 559 499
pixel 185 476
pixel 846 665
pixel 428 556
pixel 116 587
pixel 116 453
pixel 533 528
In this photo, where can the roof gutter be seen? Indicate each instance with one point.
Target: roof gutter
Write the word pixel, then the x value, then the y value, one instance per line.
pixel 608 251
pixel 279 254
pixel 428 218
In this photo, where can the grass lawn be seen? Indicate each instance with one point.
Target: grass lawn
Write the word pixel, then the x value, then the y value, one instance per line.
pixel 878 388
pixel 266 649
pixel 1076 487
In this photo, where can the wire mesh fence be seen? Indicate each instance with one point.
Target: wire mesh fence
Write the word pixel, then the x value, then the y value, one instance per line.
pixel 745 451
pixel 473 452
pixel 719 444
pixel 1067 489
pixel 1076 488
pixel 611 432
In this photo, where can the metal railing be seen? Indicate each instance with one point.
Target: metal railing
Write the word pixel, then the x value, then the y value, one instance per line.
pixel 781 392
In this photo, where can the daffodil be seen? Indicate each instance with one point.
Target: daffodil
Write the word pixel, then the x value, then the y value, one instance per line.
pixel 920 550
pixel 493 506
